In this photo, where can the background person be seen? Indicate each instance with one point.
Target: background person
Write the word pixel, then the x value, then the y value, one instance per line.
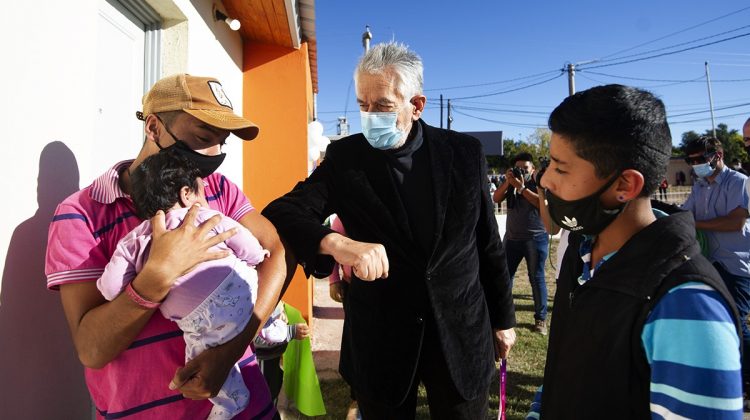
pixel 737 166
pixel 719 203
pixel 525 234
pixel 663 186
pixel 270 347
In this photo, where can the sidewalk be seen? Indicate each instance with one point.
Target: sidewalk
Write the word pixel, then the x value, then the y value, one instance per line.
pixel 328 322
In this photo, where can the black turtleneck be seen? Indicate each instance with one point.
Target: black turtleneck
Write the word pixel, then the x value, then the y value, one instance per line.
pixel 411 171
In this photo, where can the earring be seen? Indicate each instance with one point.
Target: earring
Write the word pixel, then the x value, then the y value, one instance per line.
pixel 621 198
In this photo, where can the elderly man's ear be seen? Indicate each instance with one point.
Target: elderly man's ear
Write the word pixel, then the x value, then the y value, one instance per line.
pixel 419 102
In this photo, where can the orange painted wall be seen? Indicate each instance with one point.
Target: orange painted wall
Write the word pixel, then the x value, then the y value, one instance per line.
pixel 277 95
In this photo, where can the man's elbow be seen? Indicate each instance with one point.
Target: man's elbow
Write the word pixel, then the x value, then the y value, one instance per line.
pixel 277 250
pixel 91 358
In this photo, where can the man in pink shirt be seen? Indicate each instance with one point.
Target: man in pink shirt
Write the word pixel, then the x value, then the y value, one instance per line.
pixel 134 357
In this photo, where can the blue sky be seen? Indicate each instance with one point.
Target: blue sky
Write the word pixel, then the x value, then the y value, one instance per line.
pixel 489 42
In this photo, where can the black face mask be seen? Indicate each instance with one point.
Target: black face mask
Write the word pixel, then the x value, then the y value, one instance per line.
pixel 205 164
pixel 585 215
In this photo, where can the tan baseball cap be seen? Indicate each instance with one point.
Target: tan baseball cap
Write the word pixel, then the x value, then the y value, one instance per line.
pixel 201 97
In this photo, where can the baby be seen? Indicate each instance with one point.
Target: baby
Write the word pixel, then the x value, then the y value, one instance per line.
pixel 213 303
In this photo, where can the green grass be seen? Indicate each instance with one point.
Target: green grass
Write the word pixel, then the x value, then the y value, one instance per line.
pixel 525 364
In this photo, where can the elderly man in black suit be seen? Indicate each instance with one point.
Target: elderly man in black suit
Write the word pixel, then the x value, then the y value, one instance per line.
pixel 430 300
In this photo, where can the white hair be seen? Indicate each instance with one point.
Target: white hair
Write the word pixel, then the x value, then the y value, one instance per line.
pixel 397 56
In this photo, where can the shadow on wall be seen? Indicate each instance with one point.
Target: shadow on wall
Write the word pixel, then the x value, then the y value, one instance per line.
pixel 40 375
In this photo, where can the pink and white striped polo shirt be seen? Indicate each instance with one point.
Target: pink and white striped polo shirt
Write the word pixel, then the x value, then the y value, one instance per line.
pixel 82 237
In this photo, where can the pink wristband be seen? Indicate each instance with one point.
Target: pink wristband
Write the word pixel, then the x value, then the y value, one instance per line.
pixel 138 299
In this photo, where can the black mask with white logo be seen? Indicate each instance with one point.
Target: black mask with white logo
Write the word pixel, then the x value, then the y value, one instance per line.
pixel 585 215
pixel 206 164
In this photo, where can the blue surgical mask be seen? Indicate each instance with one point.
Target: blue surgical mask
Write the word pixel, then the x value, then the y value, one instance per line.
pixel 380 129
pixel 703 170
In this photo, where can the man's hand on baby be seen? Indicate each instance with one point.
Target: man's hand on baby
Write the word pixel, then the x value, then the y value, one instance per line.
pixel 203 376
pixel 302 331
pixel 176 252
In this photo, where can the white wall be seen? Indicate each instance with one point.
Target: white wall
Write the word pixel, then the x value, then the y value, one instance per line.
pixel 215 50
pixel 48 88
pixel 49 93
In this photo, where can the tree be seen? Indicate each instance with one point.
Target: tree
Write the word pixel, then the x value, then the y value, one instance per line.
pixel 541 138
pixel 536 144
pixel 494 163
pixel 511 148
pixel 687 137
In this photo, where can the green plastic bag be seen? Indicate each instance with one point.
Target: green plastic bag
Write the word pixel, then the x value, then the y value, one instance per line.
pixel 300 379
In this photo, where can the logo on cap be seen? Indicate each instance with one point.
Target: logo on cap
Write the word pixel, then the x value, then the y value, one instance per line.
pixel 219 94
pixel 572 223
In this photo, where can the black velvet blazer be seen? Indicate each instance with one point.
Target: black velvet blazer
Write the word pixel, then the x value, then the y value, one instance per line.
pixel 464 281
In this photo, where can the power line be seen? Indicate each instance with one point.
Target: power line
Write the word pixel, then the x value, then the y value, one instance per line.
pixel 692 106
pixel 509 90
pixel 504 111
pixel 679 82
pixel 707 118
pixel 697 79
pixel 504 104
pixel 678 32
pixel 707 110
pixel 520 125
pixel 583 76
pixel 513 87
pixel 676 45
pixel 435 104
pixel 729 80
pixel 647 80
pixel 669 53
pixel 493 83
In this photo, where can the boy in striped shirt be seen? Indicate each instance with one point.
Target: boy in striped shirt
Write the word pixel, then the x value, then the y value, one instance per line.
pixel 643 326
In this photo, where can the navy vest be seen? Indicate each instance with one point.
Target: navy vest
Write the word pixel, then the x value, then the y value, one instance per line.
pixel 596 366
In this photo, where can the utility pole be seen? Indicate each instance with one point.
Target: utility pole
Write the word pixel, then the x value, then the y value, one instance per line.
pixel 366 37
pixel 343 128
pixel 441 110
pixel 710 101
pixel 571 79
pixel 450 115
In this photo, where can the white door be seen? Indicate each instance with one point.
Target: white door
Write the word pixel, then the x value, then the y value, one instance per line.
pixel 118 135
